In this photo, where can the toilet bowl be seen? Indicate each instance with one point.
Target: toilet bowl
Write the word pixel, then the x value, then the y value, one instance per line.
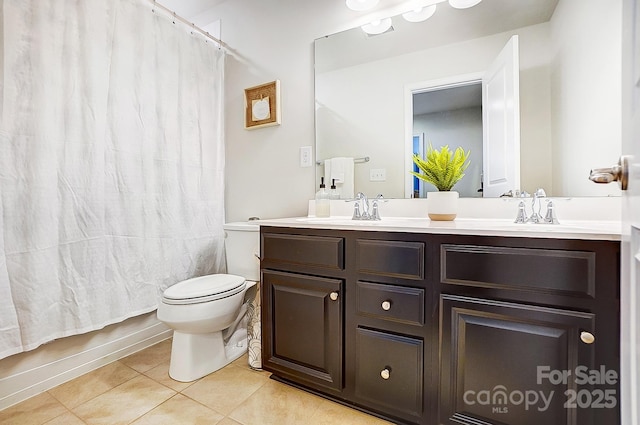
pixel 206 313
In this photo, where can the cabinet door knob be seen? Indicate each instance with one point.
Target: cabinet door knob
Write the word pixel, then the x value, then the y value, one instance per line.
pixel 385 373
pixel 333 296
pixel 587 337
pixel 386 305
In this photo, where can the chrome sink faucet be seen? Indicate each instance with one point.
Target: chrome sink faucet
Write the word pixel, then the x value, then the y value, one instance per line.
pixel 536 207
pixel 360 213
pixel 362 210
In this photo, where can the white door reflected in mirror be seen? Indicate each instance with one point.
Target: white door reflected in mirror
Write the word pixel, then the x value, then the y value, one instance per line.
pixel 478 112
pixel 501 123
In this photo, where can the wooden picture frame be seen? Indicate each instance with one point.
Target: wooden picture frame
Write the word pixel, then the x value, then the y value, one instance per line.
pixel 262 105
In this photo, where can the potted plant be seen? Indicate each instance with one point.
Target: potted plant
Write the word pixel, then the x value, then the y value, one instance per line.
pixel 442 168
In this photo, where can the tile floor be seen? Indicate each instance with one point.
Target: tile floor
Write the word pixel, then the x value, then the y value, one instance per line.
pixel 137 390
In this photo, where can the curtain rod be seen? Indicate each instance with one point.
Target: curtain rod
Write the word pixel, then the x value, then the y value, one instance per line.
pixel 186 22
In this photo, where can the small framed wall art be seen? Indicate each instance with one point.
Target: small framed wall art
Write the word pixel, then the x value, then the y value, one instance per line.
pixel 262 105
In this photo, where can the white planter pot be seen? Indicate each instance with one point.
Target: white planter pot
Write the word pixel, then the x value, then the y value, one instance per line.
pixel 442 206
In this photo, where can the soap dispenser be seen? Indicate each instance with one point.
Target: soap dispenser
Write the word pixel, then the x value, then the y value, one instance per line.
pixel 323 204
pixel 333 193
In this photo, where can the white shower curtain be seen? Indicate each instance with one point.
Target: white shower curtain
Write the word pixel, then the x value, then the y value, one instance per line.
pixel 111 164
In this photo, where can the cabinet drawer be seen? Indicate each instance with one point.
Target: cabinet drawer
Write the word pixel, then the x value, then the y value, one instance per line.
pixel 389 302
pixel 389 378
pixel 551 271
pixel 304 250
pixel 399 259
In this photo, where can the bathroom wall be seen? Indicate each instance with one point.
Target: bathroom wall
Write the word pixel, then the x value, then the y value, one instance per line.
pixel 582 79
pixel 267 40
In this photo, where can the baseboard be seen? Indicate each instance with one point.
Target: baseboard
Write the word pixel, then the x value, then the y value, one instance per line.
pixel 28 374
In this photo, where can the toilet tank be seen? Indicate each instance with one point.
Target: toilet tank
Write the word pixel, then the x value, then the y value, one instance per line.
pixel 242 246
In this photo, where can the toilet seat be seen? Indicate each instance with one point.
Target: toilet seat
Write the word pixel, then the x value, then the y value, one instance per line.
pixel 203 289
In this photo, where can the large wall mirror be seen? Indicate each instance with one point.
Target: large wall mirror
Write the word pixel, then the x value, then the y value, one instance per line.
pixel 569 93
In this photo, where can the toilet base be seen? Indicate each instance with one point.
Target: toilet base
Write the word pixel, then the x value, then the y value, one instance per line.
pixel 196 355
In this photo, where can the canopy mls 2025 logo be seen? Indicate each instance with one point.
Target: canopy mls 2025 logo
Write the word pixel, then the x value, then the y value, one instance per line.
pixel 599 391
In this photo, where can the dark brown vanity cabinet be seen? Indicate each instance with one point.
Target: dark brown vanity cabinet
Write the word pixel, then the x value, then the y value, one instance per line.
pixel 529 332
pixel 303 313
pixel 304 328
pixel 445 329
pixel 390 327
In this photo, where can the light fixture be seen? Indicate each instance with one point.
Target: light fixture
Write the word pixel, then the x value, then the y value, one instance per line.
pixel 420 14
pixel 360 5
pixel 378 26
pixel 463 4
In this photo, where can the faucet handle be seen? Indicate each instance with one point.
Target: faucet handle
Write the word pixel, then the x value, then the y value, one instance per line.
pixel 356 212
pixel 550 217
pixel 522 213
pixel 375 214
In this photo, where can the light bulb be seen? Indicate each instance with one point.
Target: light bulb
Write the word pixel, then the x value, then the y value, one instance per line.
pixel 378 26
pixel 360 5
pixel 463 4
pixel 420 14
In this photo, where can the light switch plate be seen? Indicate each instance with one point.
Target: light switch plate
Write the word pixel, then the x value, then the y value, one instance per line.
pixel 305 156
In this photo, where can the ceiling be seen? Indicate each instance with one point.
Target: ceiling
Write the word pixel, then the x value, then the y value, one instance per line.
pixel 489 14
pixel 446 26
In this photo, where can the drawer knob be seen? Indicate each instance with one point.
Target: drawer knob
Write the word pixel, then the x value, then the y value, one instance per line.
pixel 587 337
pixel 386 305
pixel 333 296
pixel 385 373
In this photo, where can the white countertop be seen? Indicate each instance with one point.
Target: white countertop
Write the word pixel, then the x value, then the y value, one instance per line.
pixel 576 229
pixel 580 218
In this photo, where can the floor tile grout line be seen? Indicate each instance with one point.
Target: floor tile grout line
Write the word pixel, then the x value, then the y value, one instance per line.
pixel 167 386
pixel 153 408
pixel 61 414
pixel 140 374
pixel 98 395
pixel 239 368
pixel 204 405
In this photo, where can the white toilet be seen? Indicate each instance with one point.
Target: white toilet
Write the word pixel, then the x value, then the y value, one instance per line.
pixel 206 313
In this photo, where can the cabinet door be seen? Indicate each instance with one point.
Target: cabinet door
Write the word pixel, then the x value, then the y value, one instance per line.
pixel 303 322
pixel 506 363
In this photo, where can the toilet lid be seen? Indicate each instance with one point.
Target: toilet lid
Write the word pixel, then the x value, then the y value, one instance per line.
pixel 204 288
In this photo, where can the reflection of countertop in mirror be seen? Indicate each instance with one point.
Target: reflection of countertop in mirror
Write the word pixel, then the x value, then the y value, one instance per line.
pixel 580 218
